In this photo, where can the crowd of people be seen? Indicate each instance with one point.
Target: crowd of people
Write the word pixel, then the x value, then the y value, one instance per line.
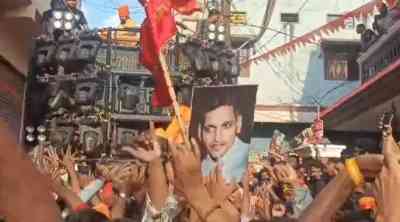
pixel 166 179
pixel 167 185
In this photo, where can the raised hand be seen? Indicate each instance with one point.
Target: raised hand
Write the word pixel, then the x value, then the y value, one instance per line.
pixel 69 159
pixel 121 172
pixel 137 178
pixel 187 166
pixel 388 181
pixel 146 155
pixel 51 165
pixel 53 158
pixel 217 187
pixel 225 194
pixel 127 178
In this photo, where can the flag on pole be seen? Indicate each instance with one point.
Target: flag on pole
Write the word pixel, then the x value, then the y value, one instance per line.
pixel 185 7
pixel 157 29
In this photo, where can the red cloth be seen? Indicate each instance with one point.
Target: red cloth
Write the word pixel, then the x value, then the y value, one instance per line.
pixel 185 7
pixel 81 206
pixel 156 30
pixel 107 191
pixel 391 3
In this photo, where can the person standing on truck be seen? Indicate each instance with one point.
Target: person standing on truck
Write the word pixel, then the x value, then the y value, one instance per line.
pixel 126 37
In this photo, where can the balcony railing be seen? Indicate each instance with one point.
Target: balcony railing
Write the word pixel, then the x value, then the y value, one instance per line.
pixel 382 53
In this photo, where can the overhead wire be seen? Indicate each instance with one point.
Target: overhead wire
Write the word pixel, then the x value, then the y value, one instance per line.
pixel 276 31
pixel 301 8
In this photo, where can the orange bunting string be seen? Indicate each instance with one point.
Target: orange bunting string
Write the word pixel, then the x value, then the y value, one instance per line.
pixel 327 29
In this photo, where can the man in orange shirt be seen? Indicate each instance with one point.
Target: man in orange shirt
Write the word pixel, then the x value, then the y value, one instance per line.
pixel 126 38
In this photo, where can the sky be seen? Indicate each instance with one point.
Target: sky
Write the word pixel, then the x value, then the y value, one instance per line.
pixel 103 13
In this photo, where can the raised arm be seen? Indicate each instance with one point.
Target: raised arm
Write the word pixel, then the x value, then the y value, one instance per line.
pixel 157 181
pixel 333 196
pixel 189 178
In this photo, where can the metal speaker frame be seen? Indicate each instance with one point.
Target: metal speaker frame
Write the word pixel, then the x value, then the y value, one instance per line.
pixel 135 87
pixel 87 50
pixel 44 54
pixel 88 93
pixel 65 52
pixel 85 131
pixel 125 135
pixel 61 136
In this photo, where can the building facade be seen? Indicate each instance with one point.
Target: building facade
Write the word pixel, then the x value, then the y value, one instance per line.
pixel 19 24
pixel 378 96
pixel 294 86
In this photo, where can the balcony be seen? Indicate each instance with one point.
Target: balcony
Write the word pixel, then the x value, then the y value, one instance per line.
pixel 382 53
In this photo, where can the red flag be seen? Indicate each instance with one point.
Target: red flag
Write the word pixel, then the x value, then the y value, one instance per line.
pixel 156 30
pixel 185 7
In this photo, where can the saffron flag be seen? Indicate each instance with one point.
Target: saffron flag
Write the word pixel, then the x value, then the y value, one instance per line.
pixel 156 30
pixel 185 7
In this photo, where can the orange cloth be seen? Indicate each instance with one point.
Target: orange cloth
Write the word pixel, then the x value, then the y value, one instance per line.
pixel 127 38
pixel 173 131
pixel 161 133
pixel 124 38
pixel 367 203
pixel 123 11
pixel 103 208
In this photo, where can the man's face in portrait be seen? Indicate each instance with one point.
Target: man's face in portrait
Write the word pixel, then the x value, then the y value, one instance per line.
pixel 221 126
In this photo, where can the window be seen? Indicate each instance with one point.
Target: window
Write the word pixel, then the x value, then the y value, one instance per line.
pixel 340 59
pixel 338 67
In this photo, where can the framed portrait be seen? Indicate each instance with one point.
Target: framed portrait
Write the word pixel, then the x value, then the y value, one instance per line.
pixel 222 122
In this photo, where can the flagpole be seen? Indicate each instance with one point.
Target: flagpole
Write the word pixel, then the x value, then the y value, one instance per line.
pixel 173 97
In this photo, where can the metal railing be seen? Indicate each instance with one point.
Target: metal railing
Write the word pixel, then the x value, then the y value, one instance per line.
pixel 382 53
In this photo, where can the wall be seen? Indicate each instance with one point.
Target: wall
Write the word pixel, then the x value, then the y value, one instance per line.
pixel 11 96
pixel 298 79
pixel 19 24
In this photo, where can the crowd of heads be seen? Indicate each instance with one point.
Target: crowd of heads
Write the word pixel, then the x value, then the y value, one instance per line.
pixel 278 188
